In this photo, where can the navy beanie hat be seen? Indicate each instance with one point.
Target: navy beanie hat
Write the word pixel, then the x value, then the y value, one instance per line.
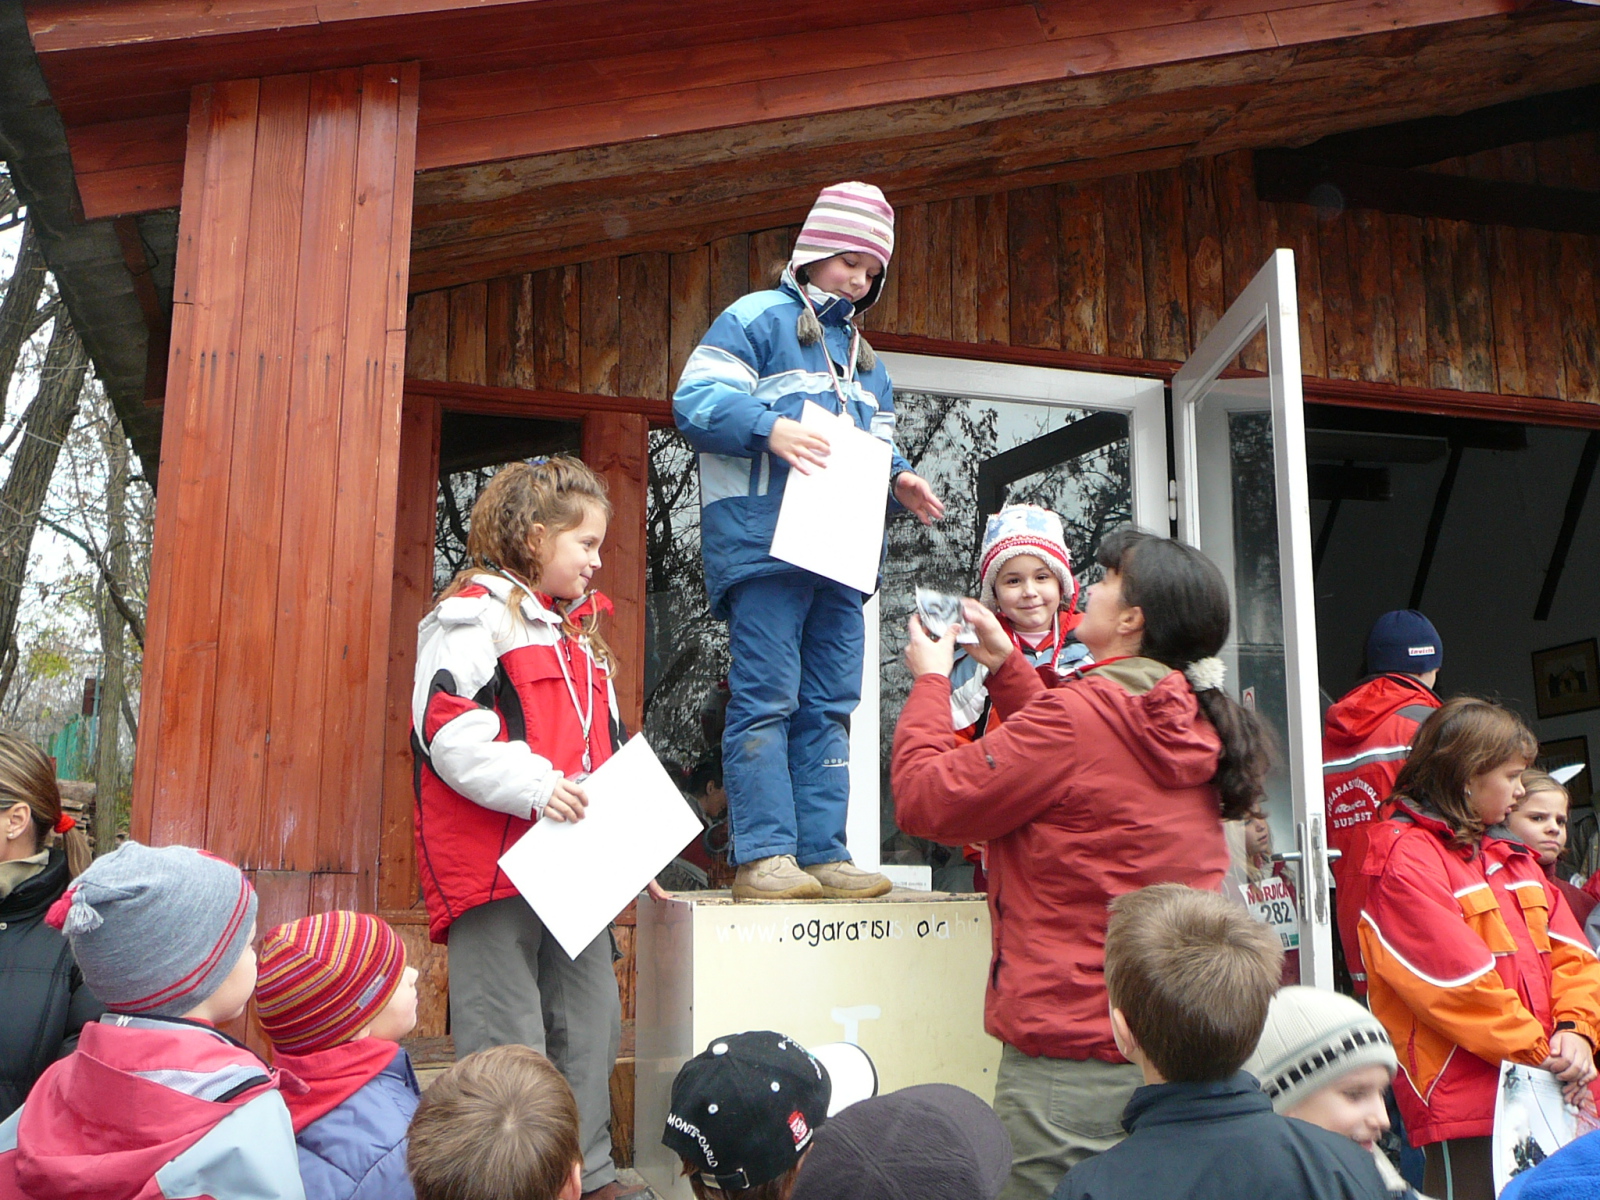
pixel 1405 641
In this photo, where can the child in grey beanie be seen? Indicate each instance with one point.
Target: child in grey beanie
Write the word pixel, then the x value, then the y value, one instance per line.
pixel 162 935
pixel 158 930
pixel 1325 1059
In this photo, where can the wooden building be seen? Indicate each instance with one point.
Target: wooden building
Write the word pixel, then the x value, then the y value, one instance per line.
pixel 295 235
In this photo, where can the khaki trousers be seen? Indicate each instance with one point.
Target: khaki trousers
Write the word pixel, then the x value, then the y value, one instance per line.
pixel 1058 1112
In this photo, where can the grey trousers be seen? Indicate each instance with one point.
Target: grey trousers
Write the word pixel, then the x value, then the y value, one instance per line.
pixel 1058 1112
pixel 512 985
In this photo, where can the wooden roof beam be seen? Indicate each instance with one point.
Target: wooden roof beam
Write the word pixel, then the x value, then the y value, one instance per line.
pixel 1300 178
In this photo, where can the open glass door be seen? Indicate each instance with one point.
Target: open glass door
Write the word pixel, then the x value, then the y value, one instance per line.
pixel 1243 499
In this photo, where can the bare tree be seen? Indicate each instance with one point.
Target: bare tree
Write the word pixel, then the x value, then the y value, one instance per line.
pixel 42 430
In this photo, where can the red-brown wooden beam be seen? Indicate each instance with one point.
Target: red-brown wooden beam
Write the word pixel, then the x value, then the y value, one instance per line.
pixel 262 730
pixel 1351 393
pixel 617 446
pixel 537 402
pixel 116 71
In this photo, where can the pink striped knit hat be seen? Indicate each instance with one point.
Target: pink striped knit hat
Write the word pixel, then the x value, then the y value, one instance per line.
pixel 846 217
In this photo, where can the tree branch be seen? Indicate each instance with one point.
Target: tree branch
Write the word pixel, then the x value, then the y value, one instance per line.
pixel 113 590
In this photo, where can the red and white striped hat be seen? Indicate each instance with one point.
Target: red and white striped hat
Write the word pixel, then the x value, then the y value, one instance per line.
pixel 1026 529
pixel 847 217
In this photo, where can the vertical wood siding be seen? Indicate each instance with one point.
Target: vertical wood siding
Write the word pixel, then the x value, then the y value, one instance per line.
pixel 1133 266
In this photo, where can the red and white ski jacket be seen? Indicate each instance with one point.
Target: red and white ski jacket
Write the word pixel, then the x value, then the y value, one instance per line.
pixel 1472 958
pixel 1366 738
pixel 498 717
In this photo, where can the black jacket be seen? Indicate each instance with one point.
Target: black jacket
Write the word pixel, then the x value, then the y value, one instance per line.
pixel 1222 1141
pixel 44 1001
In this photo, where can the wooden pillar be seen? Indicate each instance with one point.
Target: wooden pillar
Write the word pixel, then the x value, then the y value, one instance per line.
pixel 617 445
pixel 262 728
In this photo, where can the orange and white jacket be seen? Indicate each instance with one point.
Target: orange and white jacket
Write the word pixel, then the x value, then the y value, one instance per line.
pixel 1472 957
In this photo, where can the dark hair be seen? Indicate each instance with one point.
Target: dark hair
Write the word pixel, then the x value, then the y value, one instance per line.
pixel 1462 739
pixel 707 771
pixel 1186 618
pixel 1192 975
pixel 499 1125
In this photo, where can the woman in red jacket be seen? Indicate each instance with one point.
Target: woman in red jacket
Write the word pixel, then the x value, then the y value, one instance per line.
pixel 1114 780
pixel 1473 957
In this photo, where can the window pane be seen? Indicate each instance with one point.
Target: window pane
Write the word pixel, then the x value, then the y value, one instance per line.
pixel 1071 460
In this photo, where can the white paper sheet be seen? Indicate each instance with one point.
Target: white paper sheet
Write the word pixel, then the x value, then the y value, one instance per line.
pixel 831 521
pixel 1531 1121
pixel 579 875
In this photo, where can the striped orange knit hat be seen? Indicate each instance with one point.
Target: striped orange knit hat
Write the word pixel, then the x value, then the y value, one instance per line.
pixel 322 978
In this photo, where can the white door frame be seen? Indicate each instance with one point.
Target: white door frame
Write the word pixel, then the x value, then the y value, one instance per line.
pixel 1144 402
pixel 1269 303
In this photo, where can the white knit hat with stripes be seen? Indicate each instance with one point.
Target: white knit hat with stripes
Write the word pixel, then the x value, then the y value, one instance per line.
pixel 1313 1037
pixel 846 218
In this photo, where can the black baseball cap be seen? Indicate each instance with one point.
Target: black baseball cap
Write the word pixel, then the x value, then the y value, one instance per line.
pixel 933 1141
pixel 746 1108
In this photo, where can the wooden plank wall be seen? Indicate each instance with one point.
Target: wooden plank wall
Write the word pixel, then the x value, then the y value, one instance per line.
pixel 262 722
pixel 1132 266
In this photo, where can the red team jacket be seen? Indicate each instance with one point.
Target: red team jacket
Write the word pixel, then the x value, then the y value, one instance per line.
pixel 1366 737
pixel 1096 787
pixel 496 722
pixel 1472 958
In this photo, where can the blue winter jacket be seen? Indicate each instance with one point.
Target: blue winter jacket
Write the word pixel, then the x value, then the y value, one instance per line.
pixel 357 1151
pixel 749 370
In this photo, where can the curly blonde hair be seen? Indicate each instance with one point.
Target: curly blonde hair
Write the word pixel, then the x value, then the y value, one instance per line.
pixel 523 504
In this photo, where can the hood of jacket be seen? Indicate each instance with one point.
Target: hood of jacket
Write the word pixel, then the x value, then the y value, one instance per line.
pixel 333 1075
pixel 1361 711
pixel 33 897
pixel 99 1125
pixel 1154 713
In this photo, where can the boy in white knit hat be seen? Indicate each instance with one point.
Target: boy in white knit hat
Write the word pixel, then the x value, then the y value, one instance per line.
pixel 796 638
pixel 1325 1059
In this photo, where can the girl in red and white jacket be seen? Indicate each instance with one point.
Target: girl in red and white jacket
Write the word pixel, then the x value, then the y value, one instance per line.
pixel 1473 957
pixel 513 707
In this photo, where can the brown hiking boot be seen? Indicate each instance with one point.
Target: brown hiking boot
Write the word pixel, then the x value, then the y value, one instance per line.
pixel 775 878
pixel 844 880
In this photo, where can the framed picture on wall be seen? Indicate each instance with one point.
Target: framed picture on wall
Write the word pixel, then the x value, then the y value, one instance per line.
pixel 1569 752
pixel 1566 679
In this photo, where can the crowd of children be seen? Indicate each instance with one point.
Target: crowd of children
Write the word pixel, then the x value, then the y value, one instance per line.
pixel 1150 1047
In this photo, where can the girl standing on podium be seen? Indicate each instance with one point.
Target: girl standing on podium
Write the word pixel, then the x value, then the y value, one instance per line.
pixel 796 638
pixel 512 708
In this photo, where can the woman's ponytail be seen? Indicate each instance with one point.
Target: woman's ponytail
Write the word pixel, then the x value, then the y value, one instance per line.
pixel 1247 748
pixel 27 775
pixel 1186 619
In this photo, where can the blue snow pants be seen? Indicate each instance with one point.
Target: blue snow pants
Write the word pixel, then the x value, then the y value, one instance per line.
pixel 796 640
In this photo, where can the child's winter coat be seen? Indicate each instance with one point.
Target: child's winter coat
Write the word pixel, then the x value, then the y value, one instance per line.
pixel 749 370
pixel 351 1123
pixel 1472 958
pixel 1366 739
pixel 151 1108
pixel 498 715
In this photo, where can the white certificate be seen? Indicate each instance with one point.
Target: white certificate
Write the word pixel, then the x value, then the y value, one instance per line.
pixel 579 875
pixel 831 521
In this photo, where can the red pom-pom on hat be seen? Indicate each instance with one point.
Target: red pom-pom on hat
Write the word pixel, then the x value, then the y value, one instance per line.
pixel 56 917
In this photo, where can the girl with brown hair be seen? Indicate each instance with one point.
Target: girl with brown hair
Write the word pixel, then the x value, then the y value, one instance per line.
pixel 1473 957
pixel 41 852
pixel 513 708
